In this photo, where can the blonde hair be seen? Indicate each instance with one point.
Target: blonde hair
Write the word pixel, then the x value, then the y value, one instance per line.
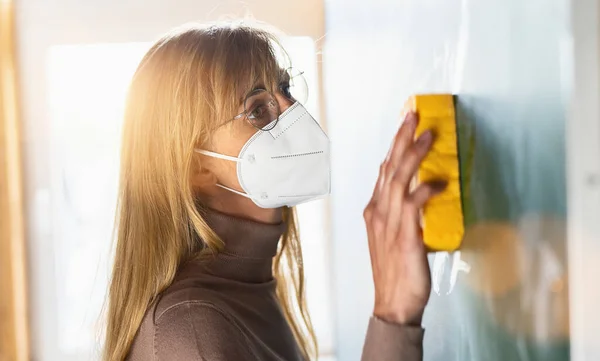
pixel 187 84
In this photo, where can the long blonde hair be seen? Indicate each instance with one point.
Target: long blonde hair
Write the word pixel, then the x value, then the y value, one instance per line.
pixel 187 84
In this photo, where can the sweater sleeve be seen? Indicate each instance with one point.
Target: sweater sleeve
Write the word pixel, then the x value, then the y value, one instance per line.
pixel 193 331
pixel 387 341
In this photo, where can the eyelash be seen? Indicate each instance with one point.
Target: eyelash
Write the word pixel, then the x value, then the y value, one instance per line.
pixel 285 89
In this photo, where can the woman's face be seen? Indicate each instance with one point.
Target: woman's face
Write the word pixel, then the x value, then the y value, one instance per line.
pixel 228 139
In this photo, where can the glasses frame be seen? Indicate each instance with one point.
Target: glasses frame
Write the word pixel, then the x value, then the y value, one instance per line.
pixel 275 121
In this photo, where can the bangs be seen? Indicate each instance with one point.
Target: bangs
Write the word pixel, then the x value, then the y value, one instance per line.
pixel 245 59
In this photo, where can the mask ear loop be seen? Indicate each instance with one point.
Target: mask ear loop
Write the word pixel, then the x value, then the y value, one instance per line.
pixel 236 192
pixel 225 157
pixel 217 155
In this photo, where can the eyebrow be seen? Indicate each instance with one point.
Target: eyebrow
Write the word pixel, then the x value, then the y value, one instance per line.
pixel 282 74
pixel 255 88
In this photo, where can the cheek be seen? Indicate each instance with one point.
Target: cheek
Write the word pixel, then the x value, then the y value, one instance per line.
pixel 229 141
pixel 227 174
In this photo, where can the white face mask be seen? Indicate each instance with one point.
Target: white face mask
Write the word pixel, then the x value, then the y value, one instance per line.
pixel 285 166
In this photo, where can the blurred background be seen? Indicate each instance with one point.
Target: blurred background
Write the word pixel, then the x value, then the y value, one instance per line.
pixel 522 287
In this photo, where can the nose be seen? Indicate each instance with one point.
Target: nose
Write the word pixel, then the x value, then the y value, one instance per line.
pixel 283 101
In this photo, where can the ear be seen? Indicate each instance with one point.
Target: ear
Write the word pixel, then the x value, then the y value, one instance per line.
pixel 202 178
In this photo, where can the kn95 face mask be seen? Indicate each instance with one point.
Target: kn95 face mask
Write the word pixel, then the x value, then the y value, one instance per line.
pixel 286 165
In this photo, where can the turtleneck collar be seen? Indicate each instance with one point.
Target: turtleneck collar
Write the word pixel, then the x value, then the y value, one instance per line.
pixel 249 248
pixel 245 238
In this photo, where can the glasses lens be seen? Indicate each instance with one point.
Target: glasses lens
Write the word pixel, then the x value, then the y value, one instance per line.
pixel 261 109
pixel 293 85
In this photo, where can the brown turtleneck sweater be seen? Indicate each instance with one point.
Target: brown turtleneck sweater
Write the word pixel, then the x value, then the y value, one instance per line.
pixel 225 309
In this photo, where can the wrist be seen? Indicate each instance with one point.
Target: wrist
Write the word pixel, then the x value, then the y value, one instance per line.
pixel 401 317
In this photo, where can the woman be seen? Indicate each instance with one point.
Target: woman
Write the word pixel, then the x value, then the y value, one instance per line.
pixel 208 265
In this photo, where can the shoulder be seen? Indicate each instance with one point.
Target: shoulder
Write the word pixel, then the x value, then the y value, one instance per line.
pixel 190 330
pixel 189 311
pixel 198 330
pixel 191 288
pixel 181 296
pixel 193 318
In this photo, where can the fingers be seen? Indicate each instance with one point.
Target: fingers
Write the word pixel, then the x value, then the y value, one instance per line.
pixel 404 137
pixel 413 234
pixel 413 157
pixel 402 141
pixel 391 198
pixel 400 180
pixel 425 191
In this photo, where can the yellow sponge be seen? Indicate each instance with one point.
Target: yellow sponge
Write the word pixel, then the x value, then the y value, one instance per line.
pixel 442 219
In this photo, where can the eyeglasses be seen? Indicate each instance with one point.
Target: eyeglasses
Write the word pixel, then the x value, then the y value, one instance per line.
pixel 261 108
